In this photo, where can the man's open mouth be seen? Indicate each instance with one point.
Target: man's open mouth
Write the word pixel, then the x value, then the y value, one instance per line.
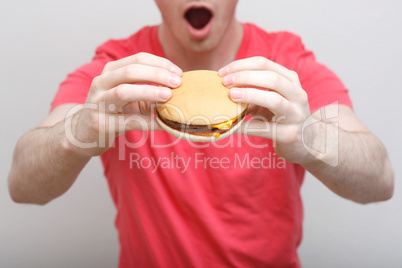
pixel 198 17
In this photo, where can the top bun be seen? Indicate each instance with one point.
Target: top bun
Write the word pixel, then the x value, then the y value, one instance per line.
pixel 201 99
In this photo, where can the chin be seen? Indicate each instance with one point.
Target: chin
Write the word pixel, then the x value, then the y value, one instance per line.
pixel 202 46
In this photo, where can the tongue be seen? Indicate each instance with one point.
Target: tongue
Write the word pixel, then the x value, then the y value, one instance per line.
pixel 198 17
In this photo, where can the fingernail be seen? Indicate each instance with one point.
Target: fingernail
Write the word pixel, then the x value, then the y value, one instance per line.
pixel 228 80
pixel 165 94
pixel 236 94
pixel 223 71
pixel 176 70
pixel 174 80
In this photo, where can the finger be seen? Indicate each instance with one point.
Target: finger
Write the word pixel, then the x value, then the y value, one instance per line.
pixel 271 100
pixel 263 79
pixel 258 63
pixel 125 93
pixel 258 128
pixel 144 59
pixel 136 122
pixel 137 73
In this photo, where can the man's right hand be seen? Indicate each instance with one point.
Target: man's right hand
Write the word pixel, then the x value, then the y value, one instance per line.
pixel 120 99
pixel 48 159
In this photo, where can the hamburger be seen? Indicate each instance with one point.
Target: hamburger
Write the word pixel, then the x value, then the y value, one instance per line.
pixel 200 109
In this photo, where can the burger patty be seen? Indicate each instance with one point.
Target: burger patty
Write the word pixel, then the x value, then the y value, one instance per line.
pixel 200 130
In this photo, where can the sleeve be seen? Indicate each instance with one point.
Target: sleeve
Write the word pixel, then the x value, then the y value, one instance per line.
pixel 323 86
pixel 75 88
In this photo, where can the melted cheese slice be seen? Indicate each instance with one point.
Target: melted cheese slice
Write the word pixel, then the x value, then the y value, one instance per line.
pixel 226 124
pixel 216 135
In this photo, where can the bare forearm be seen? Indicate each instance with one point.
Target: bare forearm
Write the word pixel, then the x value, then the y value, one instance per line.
pixel 43 166
pixel 355 165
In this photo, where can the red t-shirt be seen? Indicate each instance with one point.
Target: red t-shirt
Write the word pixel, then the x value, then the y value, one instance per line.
pixel 231 203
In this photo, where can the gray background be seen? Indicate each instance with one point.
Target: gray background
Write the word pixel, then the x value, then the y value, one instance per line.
pixel 41 41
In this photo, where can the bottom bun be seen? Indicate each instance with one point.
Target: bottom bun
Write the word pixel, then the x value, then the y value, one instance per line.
pixel 197 138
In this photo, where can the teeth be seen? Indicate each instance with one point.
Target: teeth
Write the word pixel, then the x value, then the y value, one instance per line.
pixel 198 17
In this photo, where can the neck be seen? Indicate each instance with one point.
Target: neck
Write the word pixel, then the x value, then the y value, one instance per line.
pixel 187 59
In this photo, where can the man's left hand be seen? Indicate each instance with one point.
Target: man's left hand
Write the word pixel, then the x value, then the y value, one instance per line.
pixel 277 103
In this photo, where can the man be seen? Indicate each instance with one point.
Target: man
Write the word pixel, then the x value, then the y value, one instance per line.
pixel 233 203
